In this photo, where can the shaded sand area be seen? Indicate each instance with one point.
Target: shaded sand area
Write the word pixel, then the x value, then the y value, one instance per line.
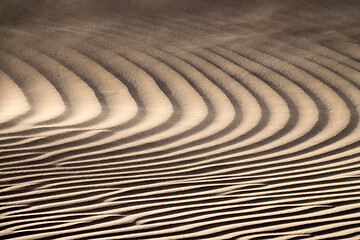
pixel 179 120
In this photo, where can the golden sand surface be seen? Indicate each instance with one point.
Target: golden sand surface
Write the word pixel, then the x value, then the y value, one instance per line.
pixel 167 120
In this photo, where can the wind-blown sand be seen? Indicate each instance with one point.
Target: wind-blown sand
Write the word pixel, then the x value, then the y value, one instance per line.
pixel 179 119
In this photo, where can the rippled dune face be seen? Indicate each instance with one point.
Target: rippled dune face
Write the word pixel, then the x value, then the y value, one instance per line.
pixel 179 119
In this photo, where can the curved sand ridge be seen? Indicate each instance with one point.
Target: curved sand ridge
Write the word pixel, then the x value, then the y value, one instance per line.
pixel 193 120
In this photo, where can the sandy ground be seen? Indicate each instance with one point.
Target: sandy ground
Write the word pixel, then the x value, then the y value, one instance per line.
pixel 179 119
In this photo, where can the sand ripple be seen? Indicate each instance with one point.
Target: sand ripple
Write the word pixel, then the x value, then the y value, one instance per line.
pixel 158 120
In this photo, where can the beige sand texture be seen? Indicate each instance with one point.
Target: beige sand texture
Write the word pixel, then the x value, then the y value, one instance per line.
pixel 179 119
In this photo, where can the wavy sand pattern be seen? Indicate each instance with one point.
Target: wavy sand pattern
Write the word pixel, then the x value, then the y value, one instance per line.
pixel 179 120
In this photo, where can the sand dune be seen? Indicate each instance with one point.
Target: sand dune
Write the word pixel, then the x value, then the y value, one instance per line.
pixel 179 119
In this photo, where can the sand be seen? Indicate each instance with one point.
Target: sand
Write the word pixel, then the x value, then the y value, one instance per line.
pixel 160 119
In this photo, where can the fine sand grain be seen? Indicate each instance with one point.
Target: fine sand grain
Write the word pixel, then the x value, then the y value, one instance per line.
pixel 161 119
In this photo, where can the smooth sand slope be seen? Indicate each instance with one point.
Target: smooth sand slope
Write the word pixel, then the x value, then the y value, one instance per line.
pixel 179 119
